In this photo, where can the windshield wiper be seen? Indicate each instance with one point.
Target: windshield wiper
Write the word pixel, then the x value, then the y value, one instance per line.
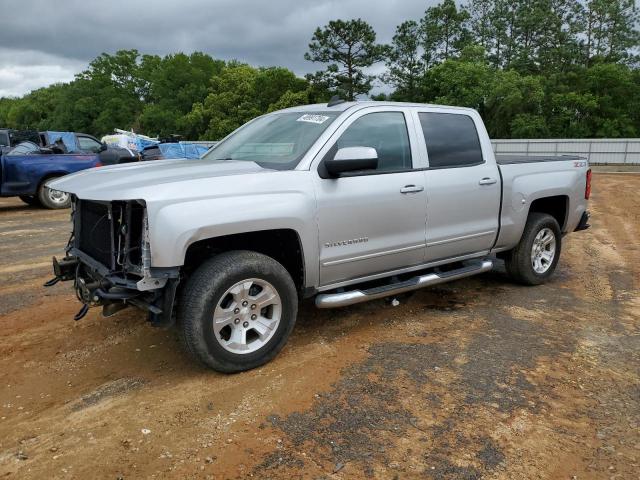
pixel 228 158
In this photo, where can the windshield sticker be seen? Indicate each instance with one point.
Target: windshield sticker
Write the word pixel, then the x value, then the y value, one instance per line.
pixel 313 118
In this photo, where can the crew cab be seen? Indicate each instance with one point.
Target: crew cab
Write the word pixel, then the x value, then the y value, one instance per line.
pixel 343 202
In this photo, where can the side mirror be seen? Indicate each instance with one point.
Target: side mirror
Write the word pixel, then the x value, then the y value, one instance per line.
pixel 350 159
pixel 103 148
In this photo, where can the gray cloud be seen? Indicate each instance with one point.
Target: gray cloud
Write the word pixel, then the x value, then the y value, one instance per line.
pixel 47 42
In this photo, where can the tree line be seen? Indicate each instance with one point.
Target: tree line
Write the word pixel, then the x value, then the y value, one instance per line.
pixel 532 68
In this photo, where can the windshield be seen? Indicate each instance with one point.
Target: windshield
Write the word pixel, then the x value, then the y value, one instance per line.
pixel 276 141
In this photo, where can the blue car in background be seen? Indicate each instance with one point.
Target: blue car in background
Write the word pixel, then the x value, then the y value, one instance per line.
pixel 26 168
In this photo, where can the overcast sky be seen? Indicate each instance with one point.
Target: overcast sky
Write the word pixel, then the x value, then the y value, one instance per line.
pixel 44 42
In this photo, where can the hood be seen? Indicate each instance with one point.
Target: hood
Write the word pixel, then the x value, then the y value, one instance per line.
pixel 144 180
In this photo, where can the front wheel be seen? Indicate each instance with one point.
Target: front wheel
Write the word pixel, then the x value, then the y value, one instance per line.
pixel 53 199
pixel 536 256
pixel 237 311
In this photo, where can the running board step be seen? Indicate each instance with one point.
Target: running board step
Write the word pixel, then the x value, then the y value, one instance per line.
pixel 342 299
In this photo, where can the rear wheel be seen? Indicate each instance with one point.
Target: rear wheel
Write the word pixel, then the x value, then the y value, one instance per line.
pixel 237 311
pixel 29 199
pixel 53 199
pixel 535 258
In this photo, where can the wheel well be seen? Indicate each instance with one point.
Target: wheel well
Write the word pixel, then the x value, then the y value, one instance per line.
pixel 555 206
pixel 282 245
pixel 48 176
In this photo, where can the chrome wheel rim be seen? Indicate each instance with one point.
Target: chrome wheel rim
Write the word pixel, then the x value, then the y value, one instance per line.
pixel 57 197
pixel 247 315
pixel 543 250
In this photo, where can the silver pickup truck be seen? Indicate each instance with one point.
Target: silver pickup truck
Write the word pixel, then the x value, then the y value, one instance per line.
pixel 344 202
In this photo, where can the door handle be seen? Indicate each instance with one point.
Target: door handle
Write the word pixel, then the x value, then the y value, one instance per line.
pixel 411 189
pixel 487 181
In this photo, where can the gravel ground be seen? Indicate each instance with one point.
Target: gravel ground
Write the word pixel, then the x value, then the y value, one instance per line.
pixel 474 379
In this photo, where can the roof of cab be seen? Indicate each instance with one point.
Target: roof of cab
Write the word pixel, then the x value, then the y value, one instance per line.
pixel 341 107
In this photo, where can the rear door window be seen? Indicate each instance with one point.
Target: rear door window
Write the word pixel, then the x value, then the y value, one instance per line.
pixel 452 140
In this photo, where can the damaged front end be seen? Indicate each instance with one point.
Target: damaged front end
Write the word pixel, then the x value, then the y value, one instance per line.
pixel 109 261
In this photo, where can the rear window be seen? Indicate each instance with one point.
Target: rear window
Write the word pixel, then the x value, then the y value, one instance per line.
pixel 24 148
pixel 452 140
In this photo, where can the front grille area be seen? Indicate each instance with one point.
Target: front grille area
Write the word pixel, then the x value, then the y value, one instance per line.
pixel 111 233
pixel 95 231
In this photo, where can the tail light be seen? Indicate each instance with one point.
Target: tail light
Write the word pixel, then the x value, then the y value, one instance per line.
pixel 99 164
pixel 587 188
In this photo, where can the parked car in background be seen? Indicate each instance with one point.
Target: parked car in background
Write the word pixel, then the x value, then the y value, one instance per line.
pixel 69 142
pixel 344 202
pixel 30 159
pixel 27 167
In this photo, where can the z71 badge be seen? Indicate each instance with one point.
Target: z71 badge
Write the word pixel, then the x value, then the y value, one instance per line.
pixel 579 164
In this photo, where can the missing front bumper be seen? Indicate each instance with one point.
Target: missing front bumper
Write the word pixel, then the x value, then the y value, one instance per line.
pixel 113 293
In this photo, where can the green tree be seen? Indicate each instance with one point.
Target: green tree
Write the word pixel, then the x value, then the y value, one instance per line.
pixel 618 100
pixel 491 24
pixel 544 35
pixel 35 110
pixel 526 125
pixel 600 101
pixel 272 83
pixel 290 99
pixel 610 30
pixel 444 31
pixel 404 61
pixel 481 22
pixel 5 106
pixel 110 93
pixel 238 94
pixel 511 99
pixel 348 47
pixel 175 82
pixel 458 82
pixel 230 103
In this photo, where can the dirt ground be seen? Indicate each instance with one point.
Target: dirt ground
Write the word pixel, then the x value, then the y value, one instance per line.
pixel 474 379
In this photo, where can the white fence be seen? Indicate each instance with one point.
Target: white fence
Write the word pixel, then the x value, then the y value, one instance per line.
pixel 619 151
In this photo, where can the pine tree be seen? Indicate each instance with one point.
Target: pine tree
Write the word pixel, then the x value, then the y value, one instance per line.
pixel 444 31
pixel 611 30
pixel 348 47
pixel 404 61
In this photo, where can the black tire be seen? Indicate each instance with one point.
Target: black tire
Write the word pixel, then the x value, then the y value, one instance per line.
pixel 204 290
pixel 47 201
pixel 30 200
pixel 518 261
